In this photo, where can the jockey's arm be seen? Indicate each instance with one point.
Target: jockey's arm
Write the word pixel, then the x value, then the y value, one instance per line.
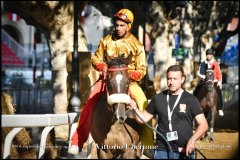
pixel 137 68
pixel 97 59
pixel 202 71
pixel 143 114
pixel 201 129
pixel 201 76
pixel 218 73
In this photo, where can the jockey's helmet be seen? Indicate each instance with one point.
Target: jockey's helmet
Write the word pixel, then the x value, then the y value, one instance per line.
pixel 210 51
pixel 125 15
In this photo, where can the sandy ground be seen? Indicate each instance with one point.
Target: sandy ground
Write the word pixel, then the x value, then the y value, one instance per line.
pixel 225 146
pixel 226 137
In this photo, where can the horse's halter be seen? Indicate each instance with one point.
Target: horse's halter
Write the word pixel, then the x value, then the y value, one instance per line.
pixel 210 79
pixel 117 92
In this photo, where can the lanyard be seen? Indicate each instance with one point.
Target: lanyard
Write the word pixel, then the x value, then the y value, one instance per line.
pixel 171 112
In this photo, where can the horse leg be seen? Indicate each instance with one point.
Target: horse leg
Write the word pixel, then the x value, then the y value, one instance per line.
pixel 213 116
pixel 130 153
pixel 104 154
pixel 204 137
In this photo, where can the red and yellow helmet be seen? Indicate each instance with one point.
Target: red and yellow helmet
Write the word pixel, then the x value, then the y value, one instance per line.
pixel 125 15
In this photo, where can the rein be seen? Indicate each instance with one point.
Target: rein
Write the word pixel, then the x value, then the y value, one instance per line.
pixel 101 77
pixel 161 135
pixel 118 69
pixel 209 80
pixel 109 69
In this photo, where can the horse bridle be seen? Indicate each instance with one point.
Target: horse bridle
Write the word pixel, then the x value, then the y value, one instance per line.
pixel 117 98
pixel 125 98
pixel 211 81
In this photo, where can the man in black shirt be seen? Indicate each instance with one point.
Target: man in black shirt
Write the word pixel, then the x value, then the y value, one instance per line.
pixel 176 109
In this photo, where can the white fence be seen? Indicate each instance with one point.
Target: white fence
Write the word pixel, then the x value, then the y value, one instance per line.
pixel 49 121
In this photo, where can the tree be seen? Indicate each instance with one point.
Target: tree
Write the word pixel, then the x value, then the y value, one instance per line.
pixel 197 22
pixel 55 20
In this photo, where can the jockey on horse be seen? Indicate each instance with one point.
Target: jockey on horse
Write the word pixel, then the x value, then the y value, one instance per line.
pixel 213 64
pixel 120 42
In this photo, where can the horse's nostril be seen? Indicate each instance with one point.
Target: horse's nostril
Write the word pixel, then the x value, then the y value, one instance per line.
pixel 121 119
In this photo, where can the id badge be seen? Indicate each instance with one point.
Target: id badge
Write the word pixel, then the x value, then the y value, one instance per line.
pixel 171 136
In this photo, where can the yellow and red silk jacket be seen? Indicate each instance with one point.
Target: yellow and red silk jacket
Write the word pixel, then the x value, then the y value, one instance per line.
pixel 114 48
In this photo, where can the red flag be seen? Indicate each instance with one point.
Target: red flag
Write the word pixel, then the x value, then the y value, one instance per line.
pixel 13 17
pixel 83 16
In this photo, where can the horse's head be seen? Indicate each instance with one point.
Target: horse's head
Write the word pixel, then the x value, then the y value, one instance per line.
pixel 209 79
pixel 118 85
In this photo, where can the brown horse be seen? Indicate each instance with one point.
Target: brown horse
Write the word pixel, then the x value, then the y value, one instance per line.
pixel 207 96
pixel 116 135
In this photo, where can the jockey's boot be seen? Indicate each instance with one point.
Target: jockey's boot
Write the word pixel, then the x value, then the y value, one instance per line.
pixel 220 112
pixel 74 149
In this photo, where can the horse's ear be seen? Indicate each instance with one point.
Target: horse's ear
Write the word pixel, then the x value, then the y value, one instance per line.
pixel 129 58
pixel 107 58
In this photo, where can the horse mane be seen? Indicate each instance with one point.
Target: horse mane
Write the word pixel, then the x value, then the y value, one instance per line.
pixel 119 60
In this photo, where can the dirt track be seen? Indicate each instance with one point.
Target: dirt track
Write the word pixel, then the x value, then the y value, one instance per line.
pixel 226 137
pixel 225 146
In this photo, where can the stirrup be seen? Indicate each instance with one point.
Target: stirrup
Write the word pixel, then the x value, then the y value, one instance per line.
pixel 220 112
